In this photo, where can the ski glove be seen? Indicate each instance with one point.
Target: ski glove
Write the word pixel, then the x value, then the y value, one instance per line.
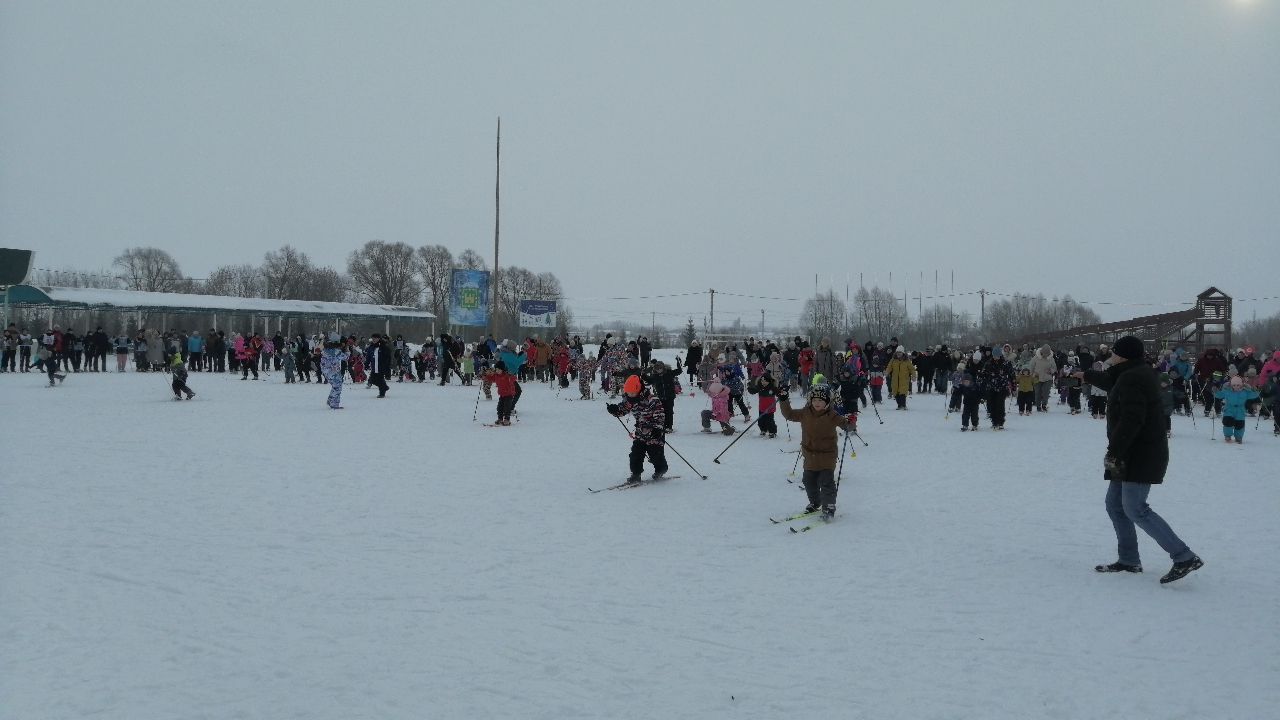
pixel 1113 468
pixel 612 408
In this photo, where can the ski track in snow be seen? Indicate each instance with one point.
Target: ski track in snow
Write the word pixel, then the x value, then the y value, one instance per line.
pixel 252 554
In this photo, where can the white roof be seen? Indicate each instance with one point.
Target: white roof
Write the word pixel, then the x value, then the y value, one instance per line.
pixel 134 300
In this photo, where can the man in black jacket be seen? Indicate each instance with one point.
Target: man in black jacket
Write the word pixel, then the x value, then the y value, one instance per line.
pixel 1137 456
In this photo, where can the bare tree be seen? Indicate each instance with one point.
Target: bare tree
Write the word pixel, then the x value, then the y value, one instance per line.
pixel 823 316
pixel 385 273
pixel 285 273
pixel 880 314
pixel 235 281
pixel 435 264
pixel 470 260
pixel 324 284
pixel 151 270
pixel 1021 315
pixel 1263 334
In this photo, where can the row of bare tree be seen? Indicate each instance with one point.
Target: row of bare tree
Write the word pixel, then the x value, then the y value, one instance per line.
pixel 877 314
pixel 379 272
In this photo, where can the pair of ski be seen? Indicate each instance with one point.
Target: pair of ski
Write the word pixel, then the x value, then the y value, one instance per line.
pixel 630 485
pixel 816 518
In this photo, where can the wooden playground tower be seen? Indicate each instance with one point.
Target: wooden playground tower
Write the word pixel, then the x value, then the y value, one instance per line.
pixel 1207 325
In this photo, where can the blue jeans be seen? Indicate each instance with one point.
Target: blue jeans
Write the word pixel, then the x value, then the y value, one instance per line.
pixel 1127 506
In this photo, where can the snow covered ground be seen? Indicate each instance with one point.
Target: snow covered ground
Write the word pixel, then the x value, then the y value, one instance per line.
pixel 252 554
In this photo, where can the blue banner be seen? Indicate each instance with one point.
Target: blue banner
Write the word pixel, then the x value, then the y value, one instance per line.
pixel 469 298
pixel 538 313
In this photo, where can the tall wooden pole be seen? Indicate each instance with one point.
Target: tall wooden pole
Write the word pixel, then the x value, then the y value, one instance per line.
pixel 497 197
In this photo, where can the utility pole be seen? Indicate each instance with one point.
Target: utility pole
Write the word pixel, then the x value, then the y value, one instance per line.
pixel 762 321
pixel 497 186
pixel 982 321
pixel 713 309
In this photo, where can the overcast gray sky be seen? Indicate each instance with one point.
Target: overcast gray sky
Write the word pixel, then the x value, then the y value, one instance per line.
pixel 1118 151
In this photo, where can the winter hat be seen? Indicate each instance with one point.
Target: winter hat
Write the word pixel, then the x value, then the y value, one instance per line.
pixel 1251 372
pixel 1129 348
pixel 966 378
pixel 820 393
pixel 1237 381
pixel 997 352
pixel 633 385
pixel 818 379
pixel 500 366
pixel 977 356
pixel 714 388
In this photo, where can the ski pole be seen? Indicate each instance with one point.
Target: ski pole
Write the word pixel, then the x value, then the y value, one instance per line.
pixel 873 407
pixel 624 427
pixel 716 460
pixel 686 462
pixel 855 434
pixel 796 464
pixel 840 471
pixel 476 410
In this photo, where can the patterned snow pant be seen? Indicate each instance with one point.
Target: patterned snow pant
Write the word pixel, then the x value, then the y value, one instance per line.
pixel 335 391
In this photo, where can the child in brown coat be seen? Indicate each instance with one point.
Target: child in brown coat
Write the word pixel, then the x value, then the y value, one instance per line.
pixel 820 447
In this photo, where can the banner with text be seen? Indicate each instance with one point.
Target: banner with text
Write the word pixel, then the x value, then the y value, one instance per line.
pixel 538 313
pixel 469 298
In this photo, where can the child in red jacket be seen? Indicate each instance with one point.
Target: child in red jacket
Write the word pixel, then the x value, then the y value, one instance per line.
pixel 508 391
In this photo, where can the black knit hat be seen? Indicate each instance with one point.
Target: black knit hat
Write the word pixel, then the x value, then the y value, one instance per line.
pixel 1129 348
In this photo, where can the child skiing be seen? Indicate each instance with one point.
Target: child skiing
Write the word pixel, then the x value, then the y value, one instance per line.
pixel 970 396
pixel 820 448
pixel 180 378
pixel 508 391
pixel 647 437
pixel 467 365
pixel 877 385
pixel 587 365
pixel 719 411
pixel 1235 397
pixel 766 388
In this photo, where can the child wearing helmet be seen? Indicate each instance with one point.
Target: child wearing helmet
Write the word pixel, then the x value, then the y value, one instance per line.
pixel 819 447
pixel 648 437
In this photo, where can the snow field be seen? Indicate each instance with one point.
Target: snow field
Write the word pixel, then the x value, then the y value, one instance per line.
pixel 252 554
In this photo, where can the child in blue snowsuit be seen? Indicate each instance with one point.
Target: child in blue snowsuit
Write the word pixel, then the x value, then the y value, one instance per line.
pixel 1234 398
pixel 331 361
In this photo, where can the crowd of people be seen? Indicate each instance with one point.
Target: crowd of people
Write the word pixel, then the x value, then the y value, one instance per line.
pixel 1231 386
pixel 1136 389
